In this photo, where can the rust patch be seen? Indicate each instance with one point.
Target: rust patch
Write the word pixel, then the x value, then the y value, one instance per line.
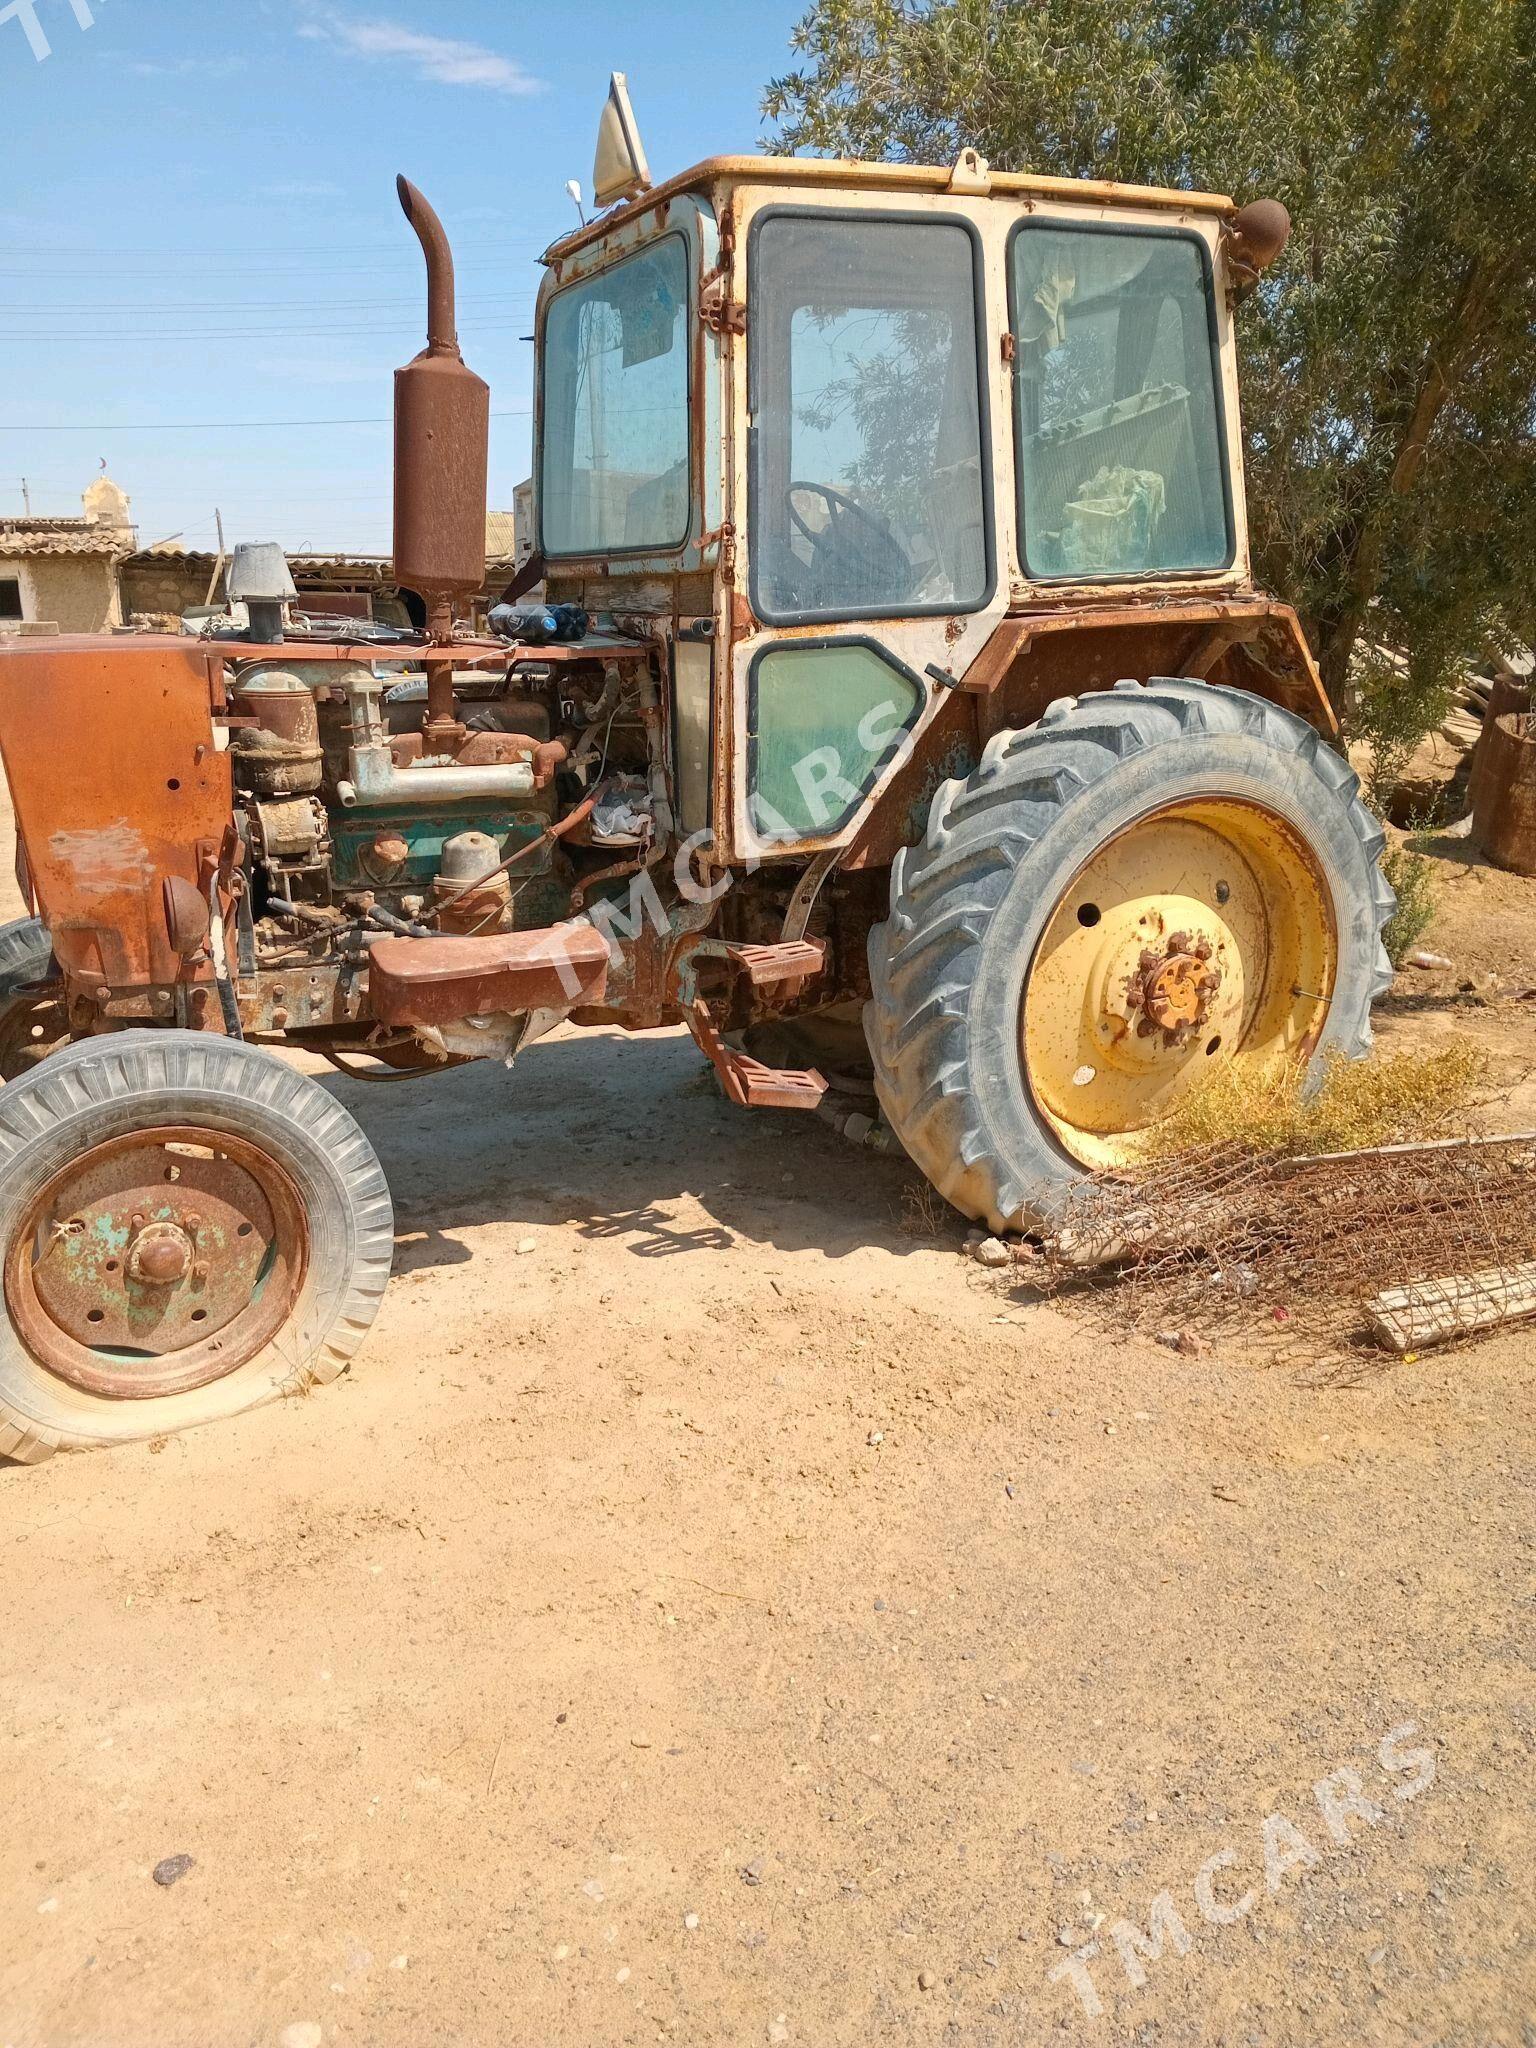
pixel 115 785
pixel 104 861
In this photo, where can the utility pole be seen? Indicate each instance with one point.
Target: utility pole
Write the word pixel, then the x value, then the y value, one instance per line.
pixel 26 498
pixel 218 567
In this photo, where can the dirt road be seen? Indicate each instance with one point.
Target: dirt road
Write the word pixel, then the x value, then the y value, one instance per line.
pixel 730 1620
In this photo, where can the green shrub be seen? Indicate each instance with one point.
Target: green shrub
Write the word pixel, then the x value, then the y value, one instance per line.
pixel 1412 876
pixel 1398 704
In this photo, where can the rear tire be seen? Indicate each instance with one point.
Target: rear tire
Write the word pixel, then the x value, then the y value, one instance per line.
pixel 972 908
pixel 26 955
pixel 297 1290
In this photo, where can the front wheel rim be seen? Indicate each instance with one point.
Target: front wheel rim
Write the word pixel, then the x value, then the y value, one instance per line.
pixel 1202 937
pixel 157 1262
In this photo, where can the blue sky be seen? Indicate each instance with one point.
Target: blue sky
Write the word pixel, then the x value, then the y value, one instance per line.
pixel 198 224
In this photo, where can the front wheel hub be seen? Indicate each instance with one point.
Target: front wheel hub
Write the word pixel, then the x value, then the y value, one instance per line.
pixel 161 1255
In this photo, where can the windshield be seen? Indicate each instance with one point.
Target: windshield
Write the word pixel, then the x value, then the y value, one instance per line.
pixel 867 480
pixel 613 474
pixel 1121 456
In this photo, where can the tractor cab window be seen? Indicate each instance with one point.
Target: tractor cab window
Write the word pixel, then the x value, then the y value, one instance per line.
pixel 613 469
pixel 1122 460
pixel 869 493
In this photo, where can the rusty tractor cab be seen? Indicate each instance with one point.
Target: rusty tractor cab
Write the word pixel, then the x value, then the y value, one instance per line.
pixel 898 713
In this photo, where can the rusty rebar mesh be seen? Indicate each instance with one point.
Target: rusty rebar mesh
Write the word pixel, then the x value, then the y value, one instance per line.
pixel 1228 1242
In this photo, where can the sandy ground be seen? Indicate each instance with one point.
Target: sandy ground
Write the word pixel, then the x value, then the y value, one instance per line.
pixel 732 1621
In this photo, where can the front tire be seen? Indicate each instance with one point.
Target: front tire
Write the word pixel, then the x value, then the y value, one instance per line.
pixel 188 1228
pixel 1151 882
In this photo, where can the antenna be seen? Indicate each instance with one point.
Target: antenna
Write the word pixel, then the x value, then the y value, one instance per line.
pixel 573 187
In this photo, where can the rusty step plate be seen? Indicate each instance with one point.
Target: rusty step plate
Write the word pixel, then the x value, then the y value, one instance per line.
pixel 789 960
pixel 747 1081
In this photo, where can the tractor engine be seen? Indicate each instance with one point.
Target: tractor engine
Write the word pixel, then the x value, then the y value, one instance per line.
pixel 347 821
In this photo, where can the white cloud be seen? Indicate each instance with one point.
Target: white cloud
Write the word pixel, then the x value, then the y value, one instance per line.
pixel 442 59
pixel 189 67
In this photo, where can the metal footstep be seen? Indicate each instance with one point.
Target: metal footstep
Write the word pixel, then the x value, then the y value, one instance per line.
pixel 747 1081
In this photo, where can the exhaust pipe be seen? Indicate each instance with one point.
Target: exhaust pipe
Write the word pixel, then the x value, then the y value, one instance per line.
pixel 442 461
pixel 442 334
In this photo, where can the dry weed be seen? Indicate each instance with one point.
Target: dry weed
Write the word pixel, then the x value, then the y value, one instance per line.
pixel 924 1211
pixel 1389 1099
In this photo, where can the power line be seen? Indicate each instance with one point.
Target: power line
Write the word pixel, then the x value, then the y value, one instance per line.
pixel 343 302
pixel 217 426
pixel 324 255
pixel 493 325
pixel 177 268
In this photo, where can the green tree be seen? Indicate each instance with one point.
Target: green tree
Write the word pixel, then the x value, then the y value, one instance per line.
pixel 1389 359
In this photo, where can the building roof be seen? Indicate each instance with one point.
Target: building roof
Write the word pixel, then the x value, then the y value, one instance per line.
pixel 63 537
pixel 376 566
pixel 500 546
pixel 172 551
pixel 500 536
pixel 379 569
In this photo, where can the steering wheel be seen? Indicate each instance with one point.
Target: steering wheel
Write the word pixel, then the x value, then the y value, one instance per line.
pixel 855 554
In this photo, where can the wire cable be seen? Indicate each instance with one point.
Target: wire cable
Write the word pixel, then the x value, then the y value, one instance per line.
pixel 519 412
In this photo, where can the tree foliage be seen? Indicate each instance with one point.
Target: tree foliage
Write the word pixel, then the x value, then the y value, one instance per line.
pixel 1389 359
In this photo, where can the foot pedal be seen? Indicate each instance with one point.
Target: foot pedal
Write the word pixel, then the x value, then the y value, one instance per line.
pixel 747 1081
pixel 790 961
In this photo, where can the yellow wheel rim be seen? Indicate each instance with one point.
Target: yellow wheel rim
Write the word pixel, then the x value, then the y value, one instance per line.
pixel 1202 936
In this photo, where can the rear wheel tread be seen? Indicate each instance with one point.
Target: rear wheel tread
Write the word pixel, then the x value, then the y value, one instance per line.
pixel 945 893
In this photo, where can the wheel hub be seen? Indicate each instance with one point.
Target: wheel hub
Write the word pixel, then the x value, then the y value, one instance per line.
pixel 1173 988
pixel 1190 940
pixel 1160 971
pixel 157 1262
pixel 161 1255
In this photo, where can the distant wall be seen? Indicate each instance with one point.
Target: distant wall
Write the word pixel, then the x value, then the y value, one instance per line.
pixel 165 583
pixel 76 593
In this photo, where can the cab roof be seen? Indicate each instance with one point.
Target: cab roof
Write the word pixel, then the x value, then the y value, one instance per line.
pixel 969 177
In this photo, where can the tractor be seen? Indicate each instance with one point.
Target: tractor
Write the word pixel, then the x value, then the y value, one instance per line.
pixel 887 699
